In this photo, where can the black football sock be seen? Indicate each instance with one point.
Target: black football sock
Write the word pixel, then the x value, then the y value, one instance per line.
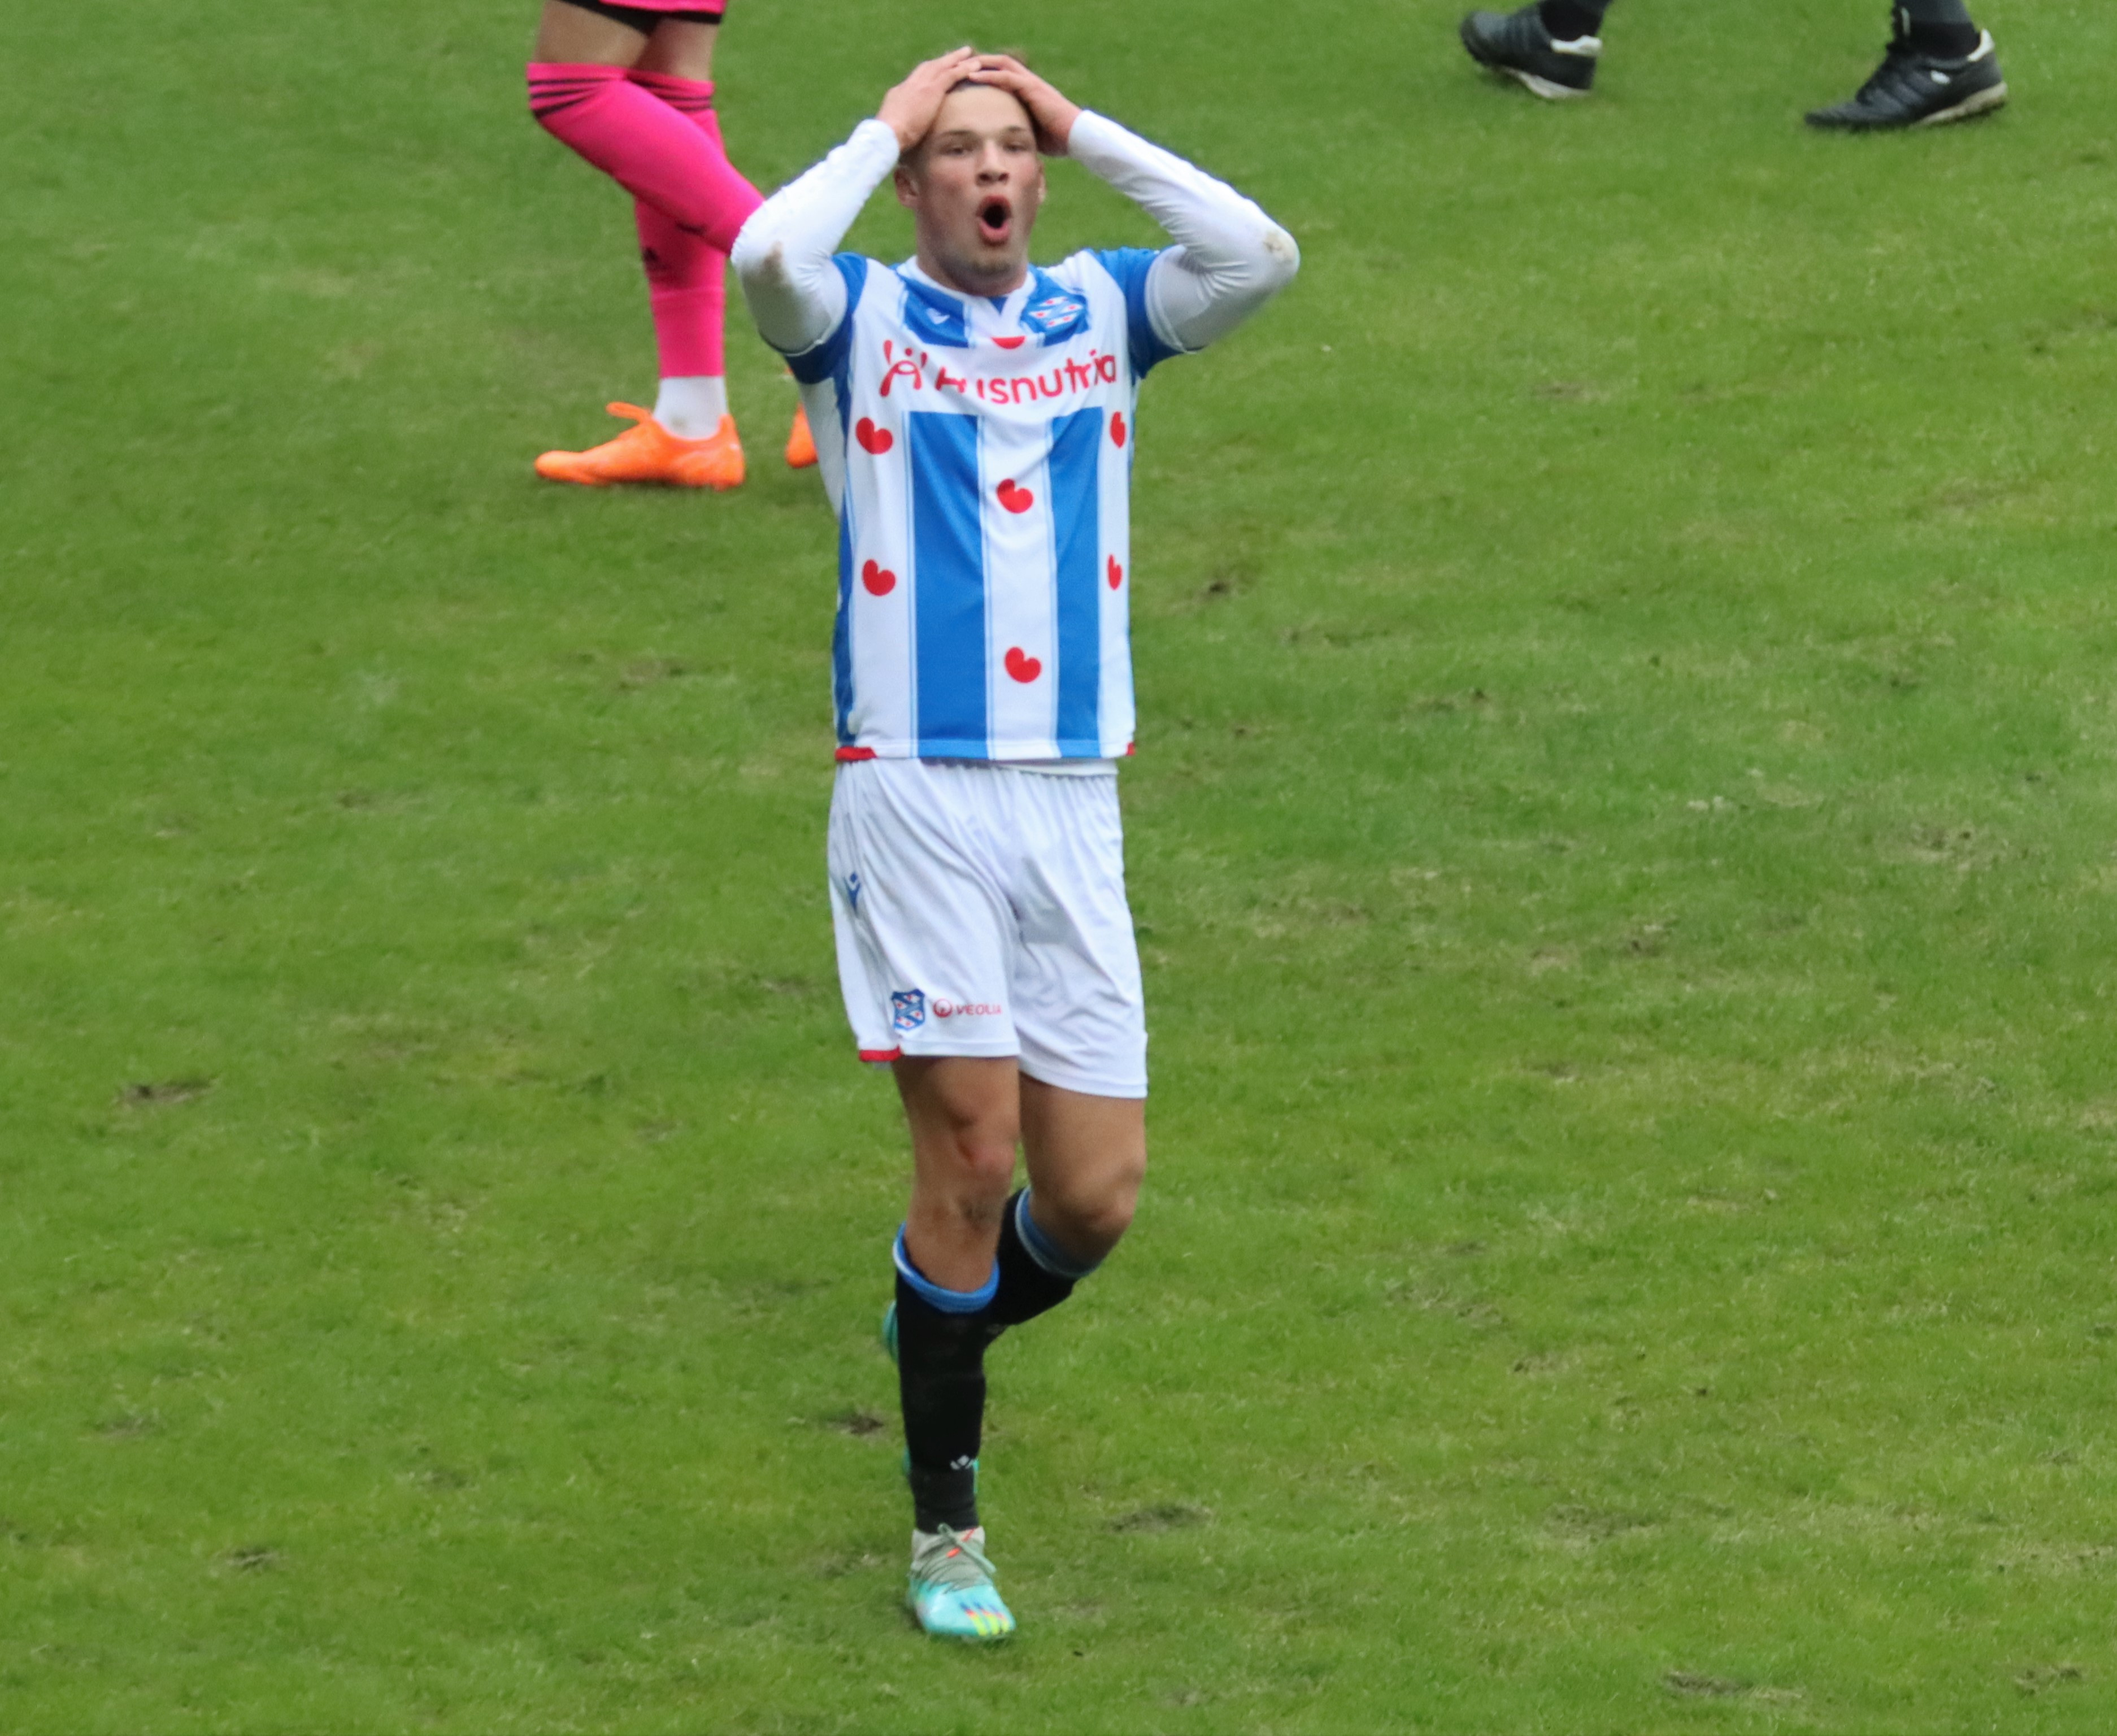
pixel 1939 27
pixel 1036 1274
pixel 941 1338
pixel 1568 21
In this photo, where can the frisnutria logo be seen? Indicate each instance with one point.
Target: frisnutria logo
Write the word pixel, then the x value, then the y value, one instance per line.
pixel 1069 376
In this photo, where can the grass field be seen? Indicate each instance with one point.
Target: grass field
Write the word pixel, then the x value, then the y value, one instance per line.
pixel 1624 839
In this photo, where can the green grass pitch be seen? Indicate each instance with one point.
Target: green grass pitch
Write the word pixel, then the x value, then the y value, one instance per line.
pixel 1624 835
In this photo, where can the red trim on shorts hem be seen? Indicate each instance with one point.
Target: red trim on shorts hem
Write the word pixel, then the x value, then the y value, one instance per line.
pixel 882 1054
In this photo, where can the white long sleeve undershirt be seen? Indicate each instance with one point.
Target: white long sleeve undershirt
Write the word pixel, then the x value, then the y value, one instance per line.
pixel 1229 261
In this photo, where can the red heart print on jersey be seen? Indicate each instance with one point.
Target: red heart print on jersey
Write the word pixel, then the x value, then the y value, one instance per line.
pixel 1010 343
pixel 1117 428
pixel 1015 500
pixel 1116 572
pixel 878 579
pixel 1023 667
pixel 876 440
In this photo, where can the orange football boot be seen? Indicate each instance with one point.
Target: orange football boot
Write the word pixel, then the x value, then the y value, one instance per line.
pixel 800 444
pixel 647 452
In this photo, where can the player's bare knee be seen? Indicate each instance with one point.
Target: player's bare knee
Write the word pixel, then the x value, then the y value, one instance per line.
pixel 980 1138
pixel 1113 1212
pixel 1090 1214
pixel 1103 1226
pixel 985 1161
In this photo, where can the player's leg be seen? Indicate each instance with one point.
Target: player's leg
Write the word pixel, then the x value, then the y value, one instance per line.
pixel 915 910
pixel 586 100
pixel 1937 26
pixel 587 34
pixel 1086 1157
pixel 631 92
pixel 964 1116
pixel 963 1111
pixel 686 274
pixel 1550 47
pixel 1080 1015
pixel 1939 67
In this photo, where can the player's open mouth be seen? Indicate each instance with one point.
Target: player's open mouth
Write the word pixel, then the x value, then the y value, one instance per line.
pixel 995 221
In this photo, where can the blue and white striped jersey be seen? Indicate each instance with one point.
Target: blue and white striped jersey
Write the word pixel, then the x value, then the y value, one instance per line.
pixel 978 452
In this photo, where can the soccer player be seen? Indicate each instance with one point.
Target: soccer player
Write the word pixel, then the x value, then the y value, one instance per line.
pixel 975 416
pixel 630 88
pixel 1938 66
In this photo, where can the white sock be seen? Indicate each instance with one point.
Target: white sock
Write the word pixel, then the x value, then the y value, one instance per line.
pixel 691 406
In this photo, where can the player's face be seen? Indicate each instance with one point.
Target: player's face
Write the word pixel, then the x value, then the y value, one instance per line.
pixel 975 188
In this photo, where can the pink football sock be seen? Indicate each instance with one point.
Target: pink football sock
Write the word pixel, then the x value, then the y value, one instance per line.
pixel 687 285
pixel 686 275
pixel 655 154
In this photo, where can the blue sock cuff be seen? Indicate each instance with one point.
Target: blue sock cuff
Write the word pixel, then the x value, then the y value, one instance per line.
pixel 1044 1251
pixel 946 1301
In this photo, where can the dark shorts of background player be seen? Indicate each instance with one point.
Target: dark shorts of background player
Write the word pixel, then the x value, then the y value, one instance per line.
pixel 643 18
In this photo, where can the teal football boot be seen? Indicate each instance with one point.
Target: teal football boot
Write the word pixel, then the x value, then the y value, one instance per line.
pixel 952 1592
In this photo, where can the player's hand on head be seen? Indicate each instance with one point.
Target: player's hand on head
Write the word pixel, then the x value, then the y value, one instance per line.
pixel 910 109
pixel 1053 114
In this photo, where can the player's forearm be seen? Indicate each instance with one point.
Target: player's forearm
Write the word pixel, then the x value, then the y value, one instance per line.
pixel 782 258
pixel 1231 258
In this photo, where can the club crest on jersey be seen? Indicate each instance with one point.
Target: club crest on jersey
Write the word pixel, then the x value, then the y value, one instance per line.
pixel 1061 314
pixel 907 1008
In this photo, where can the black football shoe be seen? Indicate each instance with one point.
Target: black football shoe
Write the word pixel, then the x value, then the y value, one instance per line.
pixel 1914 89
pixel 1517 44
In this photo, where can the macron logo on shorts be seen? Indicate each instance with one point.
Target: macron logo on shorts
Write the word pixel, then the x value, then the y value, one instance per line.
pixel 907 1009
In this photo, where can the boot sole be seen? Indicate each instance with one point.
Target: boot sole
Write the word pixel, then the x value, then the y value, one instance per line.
pixel 1983 102
pixel 1542 87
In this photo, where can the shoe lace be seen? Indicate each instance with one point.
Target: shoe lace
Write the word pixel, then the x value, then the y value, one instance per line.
pixel 954 1563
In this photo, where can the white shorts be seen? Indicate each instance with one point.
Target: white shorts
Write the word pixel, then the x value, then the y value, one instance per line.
pixel 980 911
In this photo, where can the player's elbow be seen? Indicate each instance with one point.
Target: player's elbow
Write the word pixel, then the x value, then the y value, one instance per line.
pixel 759 257
pixel 773 287
pixel 1281 257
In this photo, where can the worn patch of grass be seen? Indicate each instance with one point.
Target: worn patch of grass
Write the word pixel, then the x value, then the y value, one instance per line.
pixel 1624 838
